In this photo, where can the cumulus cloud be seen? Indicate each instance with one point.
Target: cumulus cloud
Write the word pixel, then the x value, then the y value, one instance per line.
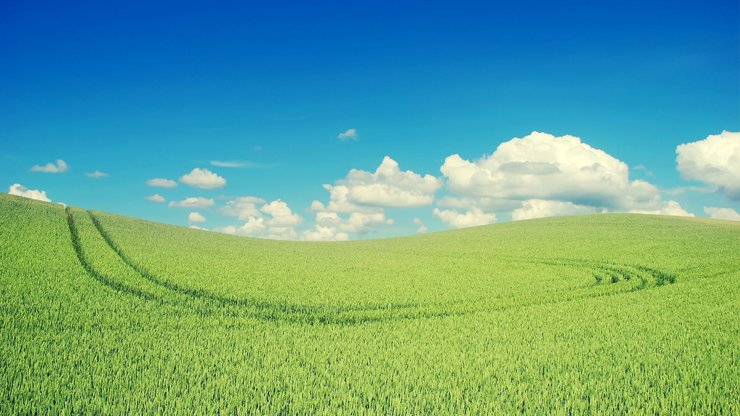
pixel 349 134
pixel 320 233
pixel 193 202
pixel 332 225
pixel 667 208
pixel 20 190
pixel 280 214
pixel 356 202
pixel 540 208
pixel 194 217
pixel 542 175
pixel 243 207
pixel 714 161
pixel 388 186
pixel 541 166
pixel 203 178
pixel 273 220
pixel 472 217
pixel 59 166
pixel 339 201
pixel 420 226
pixel 161 183
pixel 253 226
pixel 722 213
pixel 96 174
pixel 156 198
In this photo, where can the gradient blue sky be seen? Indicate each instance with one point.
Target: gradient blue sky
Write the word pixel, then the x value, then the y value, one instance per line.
pixel 141 90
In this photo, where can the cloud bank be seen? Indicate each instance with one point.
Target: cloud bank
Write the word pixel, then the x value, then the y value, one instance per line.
pixel 714 161
pixel 20 190
pixel 542 175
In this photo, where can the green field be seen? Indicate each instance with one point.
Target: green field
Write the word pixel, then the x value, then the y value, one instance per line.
pixel 601 314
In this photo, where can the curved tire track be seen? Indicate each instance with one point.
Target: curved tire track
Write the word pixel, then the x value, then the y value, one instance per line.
pixel 605 275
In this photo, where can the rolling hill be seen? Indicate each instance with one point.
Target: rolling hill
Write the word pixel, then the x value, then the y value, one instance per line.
pixel 603 314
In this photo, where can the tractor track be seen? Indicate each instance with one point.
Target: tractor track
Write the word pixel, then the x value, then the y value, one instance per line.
pixel 629 277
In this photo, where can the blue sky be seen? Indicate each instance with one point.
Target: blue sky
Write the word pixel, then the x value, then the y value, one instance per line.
pixel 139 91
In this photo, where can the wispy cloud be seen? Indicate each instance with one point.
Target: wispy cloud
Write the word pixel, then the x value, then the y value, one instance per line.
pixel 156 198
pixel 642 168
pixel 420 226
pixel 681 190
pixel 97 174
pixel 244 164
pixel 59 167
pixel 349 134
pixel 161 183
pixel 193 202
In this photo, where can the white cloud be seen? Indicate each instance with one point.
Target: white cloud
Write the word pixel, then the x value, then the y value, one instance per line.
pixel 194 217
pixel 714 160
pixel 331 225
pixel 96 174
pixel 280 215
pixel 228 164
pixel 203 178
pixel 156 198
pixel 20 190
pixel 243 207
pixel 246 164
pixel 193 202
pixel 388 186
pixel 339 201
pixel 272 220
pixel 543 175
pixel 320 233
pixel 253 226
pixel 539 208
pixel 161 183
pixel 472 217
pixel 541 166
pixel 420 226
pixel 356 202
pixel 667 208
pixel 722 213
pixel 282 233
pixel 349 134
pixel 59 167
pixel 229 229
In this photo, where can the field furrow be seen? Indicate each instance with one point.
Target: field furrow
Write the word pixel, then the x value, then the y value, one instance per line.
pixel 610 279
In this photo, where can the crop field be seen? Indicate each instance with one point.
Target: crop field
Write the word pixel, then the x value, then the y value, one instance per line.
pixel 599 314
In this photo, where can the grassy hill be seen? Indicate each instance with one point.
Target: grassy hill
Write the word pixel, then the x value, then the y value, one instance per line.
pixel 604 314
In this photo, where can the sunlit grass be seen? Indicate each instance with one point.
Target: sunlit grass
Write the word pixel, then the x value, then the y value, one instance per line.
pixel 604 314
